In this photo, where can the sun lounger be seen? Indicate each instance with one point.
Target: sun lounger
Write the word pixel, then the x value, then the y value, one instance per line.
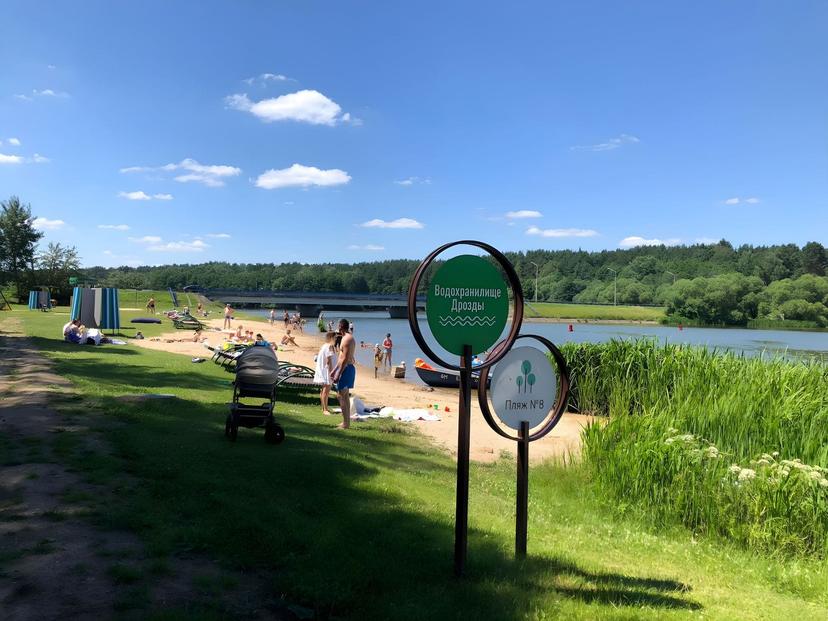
pixel 296 376
pixel 188 322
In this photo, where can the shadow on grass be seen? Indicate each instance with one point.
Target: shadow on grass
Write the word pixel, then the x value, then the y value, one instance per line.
pixel 355 524
pixel 346 524
pixel 57 345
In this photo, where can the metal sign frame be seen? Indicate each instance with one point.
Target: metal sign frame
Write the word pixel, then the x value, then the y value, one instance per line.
pixel 524 438
pixel 465 370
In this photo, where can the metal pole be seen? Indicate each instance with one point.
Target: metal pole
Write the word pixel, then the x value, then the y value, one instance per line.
pixel 461 520
pixel 537 269
pixel 522 508
pixel 614 286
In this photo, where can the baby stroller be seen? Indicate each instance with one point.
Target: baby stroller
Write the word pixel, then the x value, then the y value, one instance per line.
pixel 256 373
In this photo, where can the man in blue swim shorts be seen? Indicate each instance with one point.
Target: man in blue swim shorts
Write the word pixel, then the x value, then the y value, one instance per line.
pixel 344 373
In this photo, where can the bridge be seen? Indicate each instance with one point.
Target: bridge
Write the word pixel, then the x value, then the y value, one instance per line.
pixel 311 303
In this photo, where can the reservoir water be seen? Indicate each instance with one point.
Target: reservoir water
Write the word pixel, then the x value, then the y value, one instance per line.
pixel 371 328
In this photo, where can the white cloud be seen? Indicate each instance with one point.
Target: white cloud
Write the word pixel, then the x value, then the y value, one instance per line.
pixel 114 227
pixel 180 246
pixel 533 230
pixel 399 223
pixel 609 145
pixel 366 247
pixel 635 240
pixel 52 67
pixel 523 213
pixel 163 197
pixel 301 176
pixel 218 235
pixel 210 175
pixel 736 200
pixel 138 195
pixel 15 142
pixel 44 224
pixel 306 106
pixel 46 92
pixel 414 181
pixel 264 78
pixel 19 159
pixel 146 239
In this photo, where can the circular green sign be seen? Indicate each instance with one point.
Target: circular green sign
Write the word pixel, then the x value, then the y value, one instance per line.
pixel 467 304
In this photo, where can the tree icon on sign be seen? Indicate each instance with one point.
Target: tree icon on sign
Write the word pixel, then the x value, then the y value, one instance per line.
pixel 526 367
pixel 519 382
pixel 531 381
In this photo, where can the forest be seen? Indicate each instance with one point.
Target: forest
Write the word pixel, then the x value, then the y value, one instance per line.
pixel 705 284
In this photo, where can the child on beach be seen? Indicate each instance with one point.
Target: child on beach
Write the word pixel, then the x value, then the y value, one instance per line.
pixel 324 367
pixel 287 339
pixel 377 359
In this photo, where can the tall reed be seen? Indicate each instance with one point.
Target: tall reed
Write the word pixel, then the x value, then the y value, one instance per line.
pixel 745 411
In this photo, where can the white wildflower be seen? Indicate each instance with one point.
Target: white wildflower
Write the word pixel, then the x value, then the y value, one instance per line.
pixel 747 474
pixel 823 482
pixel 775 454
pixel 669 440
pixel 735 469
pixel 815 475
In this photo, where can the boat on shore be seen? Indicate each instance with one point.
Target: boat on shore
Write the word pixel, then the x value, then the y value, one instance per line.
pixel 441 378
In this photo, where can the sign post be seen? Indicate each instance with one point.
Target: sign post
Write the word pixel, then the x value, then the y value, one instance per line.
pixel 529 391
pixel 467 306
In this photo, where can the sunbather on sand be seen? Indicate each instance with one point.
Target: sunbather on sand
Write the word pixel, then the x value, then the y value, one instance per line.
pixel 287 339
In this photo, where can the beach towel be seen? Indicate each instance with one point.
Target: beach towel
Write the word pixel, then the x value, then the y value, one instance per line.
pixel 410 415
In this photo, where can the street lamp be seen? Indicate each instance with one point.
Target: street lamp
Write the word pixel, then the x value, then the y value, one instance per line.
pixel 537 269
pixel 614 287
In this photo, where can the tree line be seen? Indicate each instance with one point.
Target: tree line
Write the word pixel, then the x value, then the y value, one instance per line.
pixel 23 263
pixel 705 283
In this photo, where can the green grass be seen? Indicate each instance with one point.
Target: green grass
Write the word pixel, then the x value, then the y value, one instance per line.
pixel 359 524
pixel 595 312
pixel 710 440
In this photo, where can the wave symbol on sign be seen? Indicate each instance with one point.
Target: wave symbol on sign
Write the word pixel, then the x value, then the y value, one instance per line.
pixel 468 320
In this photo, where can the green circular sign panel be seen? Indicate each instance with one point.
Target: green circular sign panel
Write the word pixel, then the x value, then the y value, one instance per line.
pixel 467 304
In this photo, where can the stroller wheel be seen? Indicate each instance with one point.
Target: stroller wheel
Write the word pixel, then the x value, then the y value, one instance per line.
pixel 274 433
pixel 230 430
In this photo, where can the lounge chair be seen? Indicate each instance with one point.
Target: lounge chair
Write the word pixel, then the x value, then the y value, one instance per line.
pixel 188 322
pixel 296 376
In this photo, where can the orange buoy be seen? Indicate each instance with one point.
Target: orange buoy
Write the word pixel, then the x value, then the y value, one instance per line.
pixel 571 328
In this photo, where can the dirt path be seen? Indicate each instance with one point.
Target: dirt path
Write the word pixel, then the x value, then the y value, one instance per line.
pixel 53 563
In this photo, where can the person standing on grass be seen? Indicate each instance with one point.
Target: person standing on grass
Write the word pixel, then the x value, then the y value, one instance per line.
pixel 228 316
pixel 324 369
pixel 387 346
pixel 344 374
pixel 151 305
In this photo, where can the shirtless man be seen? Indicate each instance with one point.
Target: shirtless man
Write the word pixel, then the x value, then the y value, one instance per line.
pixel 228 316
pixel 344 373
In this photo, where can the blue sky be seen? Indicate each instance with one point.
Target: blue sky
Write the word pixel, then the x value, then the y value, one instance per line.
pixel 321 131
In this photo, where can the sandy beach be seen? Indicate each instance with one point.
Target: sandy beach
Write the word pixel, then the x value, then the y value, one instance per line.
pixel 486 445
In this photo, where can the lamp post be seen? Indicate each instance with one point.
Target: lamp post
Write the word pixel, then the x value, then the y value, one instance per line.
pixel 614 287
pixel 537 269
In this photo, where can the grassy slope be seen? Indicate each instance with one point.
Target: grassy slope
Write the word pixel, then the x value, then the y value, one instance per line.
pixel 360 524
pixel 594 311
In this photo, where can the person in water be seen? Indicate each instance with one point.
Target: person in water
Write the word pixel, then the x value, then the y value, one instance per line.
pixel 344 374
pixel 387 346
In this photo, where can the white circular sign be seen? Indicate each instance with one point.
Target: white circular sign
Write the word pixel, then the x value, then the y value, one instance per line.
pixel 524 387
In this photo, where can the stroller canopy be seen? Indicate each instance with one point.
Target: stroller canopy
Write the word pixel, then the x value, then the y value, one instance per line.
pixel 257 365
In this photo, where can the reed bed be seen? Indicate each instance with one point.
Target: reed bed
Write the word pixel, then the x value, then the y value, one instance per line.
pixel 721 443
